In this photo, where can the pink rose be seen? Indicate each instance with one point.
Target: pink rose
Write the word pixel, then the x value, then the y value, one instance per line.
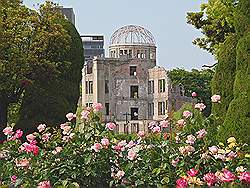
pixel 231 155
pixel 175 162
pixel 227 176
pixel 181 183
pixel 141 134
pixel 194 94
pixel 213 150
pixel 152 124
pixel 181 122
pixel 215 98
pixel 110 126
pixel 132 154
pixel 156 129
pixel 105 142
pixel 57 150
pixel 97 107
pixel 245 177
pixel 186 150
pixel 164 124
pixel 120 146
pixel 41 127
pixel 46 137
pixel 13 178
pixel 8 131
pixel 200 106
pixel 44 184
pixel 67 129
pixel 187 114
pixel 201 133
pixel 85 114
pixel 96 147
pixel 190 139
pixel 22 163
pixel 210 178
pixel 120 174
pixel 70 116
pixel 18 133
pixel 30 137
pixel 29 148
pixel 130 144
pixel 192 172
pixel 220 156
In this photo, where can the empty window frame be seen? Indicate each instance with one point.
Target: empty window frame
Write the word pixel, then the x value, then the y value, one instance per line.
pixel 133 70
pixel 134 113
pixel 121 52
pixel 150 109
pixel 89 68
pixel 151 86
pixel 134 92
pixel 130 53
pixel 107 109
pixel 161 85
pixel 106 86
pixel 138 54
pixel 89 87
pixel 89 104
pixel 161 108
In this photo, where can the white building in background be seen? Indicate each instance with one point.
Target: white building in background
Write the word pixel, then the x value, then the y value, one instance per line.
pixel 132 88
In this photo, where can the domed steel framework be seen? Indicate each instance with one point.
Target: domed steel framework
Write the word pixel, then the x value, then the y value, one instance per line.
pixel 132 34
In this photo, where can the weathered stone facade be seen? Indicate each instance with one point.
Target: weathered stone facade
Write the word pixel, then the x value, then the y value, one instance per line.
pixel 132 89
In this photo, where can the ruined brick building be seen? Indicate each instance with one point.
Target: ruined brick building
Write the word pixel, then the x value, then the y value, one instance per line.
pixel 132 88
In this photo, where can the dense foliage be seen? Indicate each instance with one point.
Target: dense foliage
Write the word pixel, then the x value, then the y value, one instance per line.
pixel 194 81
pixel 173 153
pixel 32 45
pixel 48 102
pixel 215 21
pixel 223 80
pixel 225 25
pixel 237 119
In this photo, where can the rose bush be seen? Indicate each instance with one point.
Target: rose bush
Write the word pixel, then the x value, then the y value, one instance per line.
pixel 84 152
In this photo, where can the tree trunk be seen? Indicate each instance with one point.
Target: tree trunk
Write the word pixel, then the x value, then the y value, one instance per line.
pixel 3 118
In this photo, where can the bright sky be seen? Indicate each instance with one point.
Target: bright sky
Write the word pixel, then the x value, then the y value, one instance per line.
pixel 166 19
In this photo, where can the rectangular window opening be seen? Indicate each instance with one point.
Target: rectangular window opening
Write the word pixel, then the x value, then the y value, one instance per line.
pixel 106 86
pixel 161 85
pixel 90 87
pixel 161 108
pixel 134 92
pixel 132 70
pixel 107 108
pixel 134 113
pixel 151 86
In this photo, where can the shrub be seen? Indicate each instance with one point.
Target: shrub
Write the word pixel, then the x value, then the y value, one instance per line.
pixel 222 82
pixel 94 157
pixel 48 102
pixel 237 121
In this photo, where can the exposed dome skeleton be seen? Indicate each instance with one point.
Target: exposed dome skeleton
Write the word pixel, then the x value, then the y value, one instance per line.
pixel 132 34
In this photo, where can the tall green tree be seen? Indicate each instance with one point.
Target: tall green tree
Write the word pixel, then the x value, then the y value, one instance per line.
pixel 195 81
pixel 32 44
pixel 49 102
pixel 215 21
pixel 237 120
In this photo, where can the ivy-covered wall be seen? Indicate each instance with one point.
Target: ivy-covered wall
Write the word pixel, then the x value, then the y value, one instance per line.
pixel 49 102
pixel 237 121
